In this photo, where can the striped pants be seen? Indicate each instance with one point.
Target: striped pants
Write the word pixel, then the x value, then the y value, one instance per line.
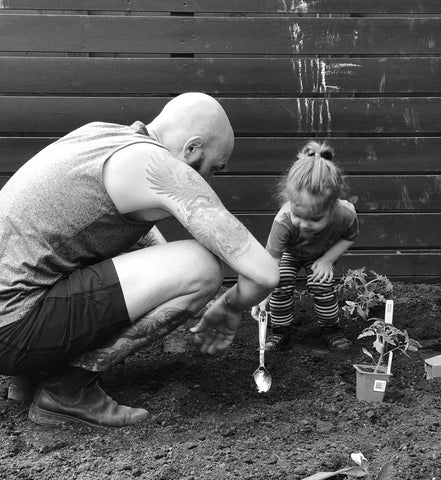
pixel 282 298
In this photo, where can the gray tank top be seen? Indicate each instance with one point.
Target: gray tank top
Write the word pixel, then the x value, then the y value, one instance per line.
pixel 56 215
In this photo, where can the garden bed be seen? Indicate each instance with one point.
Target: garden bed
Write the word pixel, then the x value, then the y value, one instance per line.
pixel 209 422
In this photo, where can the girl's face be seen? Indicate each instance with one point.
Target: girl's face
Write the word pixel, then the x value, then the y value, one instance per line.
pixel 307 219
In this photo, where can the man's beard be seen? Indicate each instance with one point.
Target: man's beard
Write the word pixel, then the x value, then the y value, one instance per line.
pixel 197 165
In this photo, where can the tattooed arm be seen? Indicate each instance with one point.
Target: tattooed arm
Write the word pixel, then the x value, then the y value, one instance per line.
pixel 190 199
pixel 184 193
pixel 152 184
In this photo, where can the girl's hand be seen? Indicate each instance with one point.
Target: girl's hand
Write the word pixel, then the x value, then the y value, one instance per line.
pixel 322 270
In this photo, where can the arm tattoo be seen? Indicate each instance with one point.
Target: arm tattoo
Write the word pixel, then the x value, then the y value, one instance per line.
pixel 200 210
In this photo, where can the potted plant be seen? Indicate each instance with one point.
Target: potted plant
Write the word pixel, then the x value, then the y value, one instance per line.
pixel 363 295
pixel 373 379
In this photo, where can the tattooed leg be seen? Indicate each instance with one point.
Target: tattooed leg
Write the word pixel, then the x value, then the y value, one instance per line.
pixel 143 333
pixel 162 286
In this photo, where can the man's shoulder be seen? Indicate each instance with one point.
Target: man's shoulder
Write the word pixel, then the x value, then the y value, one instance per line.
pixel 143 152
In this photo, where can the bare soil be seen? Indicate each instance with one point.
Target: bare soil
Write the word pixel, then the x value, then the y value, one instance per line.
pixel 209 422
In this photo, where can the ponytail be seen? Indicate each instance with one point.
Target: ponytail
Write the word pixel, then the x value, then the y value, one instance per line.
pixel 313 174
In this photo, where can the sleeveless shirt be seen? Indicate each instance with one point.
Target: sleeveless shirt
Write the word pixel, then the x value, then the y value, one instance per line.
pixel 56 215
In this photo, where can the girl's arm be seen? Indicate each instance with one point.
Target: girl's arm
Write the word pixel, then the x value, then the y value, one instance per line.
pixel 337 250
pixel 322 267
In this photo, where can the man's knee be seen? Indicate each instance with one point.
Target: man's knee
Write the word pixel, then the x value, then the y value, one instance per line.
pixel 208 272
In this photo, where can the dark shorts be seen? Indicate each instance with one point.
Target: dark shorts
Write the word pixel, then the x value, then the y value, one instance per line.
pixel 79 313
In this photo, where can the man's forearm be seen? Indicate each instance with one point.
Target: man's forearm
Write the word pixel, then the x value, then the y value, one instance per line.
pixel 244 294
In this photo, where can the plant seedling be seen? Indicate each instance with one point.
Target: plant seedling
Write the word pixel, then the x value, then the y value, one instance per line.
pixel 361 470
pixel 388 339
pixel 361 294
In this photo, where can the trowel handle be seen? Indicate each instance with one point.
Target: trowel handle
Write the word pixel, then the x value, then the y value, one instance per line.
pixel 263 325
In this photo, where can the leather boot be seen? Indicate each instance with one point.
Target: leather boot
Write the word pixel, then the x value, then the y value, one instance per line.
pixel 22 387
pixel 75 396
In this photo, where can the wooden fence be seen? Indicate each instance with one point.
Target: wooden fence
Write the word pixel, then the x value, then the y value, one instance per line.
pixel 363 75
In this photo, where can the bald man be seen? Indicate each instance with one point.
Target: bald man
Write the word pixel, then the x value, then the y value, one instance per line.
pixel 87 279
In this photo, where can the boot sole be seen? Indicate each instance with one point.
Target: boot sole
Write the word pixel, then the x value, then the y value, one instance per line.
pixel 52 419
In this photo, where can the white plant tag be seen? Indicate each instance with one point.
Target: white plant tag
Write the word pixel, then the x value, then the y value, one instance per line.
pixel 380 386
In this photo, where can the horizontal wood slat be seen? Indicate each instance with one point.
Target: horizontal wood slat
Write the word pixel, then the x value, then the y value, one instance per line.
pixel 367 192
pixel 207 35
pixel 275 155
pixel 369 154
pixel 270 116
pixel 228 6
pixel 409 266
pixel 394 263
pixel 275 76
pixel 396 232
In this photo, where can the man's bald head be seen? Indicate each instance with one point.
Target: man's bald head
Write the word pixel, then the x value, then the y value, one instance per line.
pixel 194 120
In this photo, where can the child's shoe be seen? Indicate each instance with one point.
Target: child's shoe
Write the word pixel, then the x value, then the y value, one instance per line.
pixel 334 338
pixel 279 339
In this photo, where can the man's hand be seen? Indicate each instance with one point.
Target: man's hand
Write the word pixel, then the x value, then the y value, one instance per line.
pixel 322 270
pixel 261 307
pixel 217 328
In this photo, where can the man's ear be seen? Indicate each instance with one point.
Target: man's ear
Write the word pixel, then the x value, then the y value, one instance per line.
pixel 191 144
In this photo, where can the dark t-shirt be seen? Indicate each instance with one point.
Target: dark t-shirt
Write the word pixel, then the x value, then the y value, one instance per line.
pixel 343 224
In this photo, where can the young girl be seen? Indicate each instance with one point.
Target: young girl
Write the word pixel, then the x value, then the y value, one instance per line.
pixel 312 230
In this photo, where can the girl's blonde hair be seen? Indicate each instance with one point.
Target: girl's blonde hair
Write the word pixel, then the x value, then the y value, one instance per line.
pixel 313 174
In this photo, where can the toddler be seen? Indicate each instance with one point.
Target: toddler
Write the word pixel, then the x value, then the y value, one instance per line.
pixel 313 229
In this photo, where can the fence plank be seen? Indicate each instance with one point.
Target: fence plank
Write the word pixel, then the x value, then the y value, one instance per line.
pixel 226 76
pixel 228 6
pixel 354 155
pixel 394 262
pixel 414 266
pixel 260 116
pixel 397 232
pixel 206 35
pixel 367 192
pixel 257 155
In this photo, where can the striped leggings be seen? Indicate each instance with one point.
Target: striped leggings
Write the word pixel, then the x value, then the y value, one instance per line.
pixel 282 299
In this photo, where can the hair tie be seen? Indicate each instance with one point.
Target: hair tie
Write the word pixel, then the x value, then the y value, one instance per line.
pixel 327 155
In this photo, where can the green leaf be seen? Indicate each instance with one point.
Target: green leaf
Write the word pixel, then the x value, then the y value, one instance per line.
pixel 356 472
pixel 386 471
pixel 368 353
pixel 378 345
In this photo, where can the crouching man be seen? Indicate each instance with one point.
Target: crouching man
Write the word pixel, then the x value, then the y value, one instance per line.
pixel 73 302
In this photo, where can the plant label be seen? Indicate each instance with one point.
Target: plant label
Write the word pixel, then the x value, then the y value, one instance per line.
pixel 432 367
pixel 380 386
